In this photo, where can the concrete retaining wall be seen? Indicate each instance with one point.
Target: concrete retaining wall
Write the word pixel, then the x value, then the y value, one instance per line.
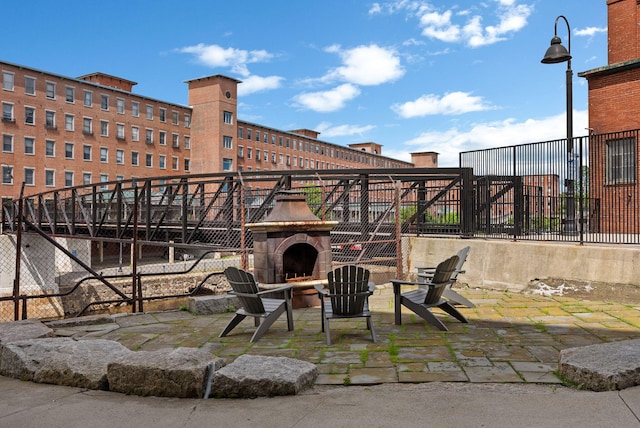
pixel 507 265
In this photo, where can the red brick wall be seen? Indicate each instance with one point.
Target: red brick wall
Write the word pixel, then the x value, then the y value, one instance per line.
pixel 614 101
pixel 623 30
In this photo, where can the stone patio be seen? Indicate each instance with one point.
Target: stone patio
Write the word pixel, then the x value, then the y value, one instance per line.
pixel 510 338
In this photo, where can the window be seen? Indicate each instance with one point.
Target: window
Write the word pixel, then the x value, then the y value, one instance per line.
pixel 149 138
pixel 29 146
pixel 88 98
pixel 29 115
pixel 104 102
pixel 240 151
pixel 149 160
pixel 150 112
pixel 120 131
pixel 104 154
pixel 7 80
pixel 258 158
pixel 187 165
pixel 257 136
pixel 68 122
pixel 103 179
pixel 175 141
pixel 7 174
pixel 7 143
pixel 163 114
pixel 135 158
pixel 266 138
pixel 162 162
pixel 621 161
pixel 86 152
pixel 7 112
pixel 120 157
pixel 86 178
pixel 70 94
pixel 226 164
pixel 266 156
pixel 68 150
pixel 50 148
pixel 29 176
pixel 249 133
pixel 50 119
pixel 162 138
pixel 280 141
pixel 68 178
pixel 187 121
pixel 273 157
pixel 227 142
pixel 227 117
pixel 87 126
pixel 175 117
pixel 104 128
pixel 135 109
pixel 49 178
pixel 187 143
pixel 249 152
pixel 51 90
pixel 29 85
pixel 135 133
pixel 240 132
pixel 273 139
pixel 120 105
pixel 175 163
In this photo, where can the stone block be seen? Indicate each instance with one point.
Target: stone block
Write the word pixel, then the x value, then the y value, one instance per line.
pixel 22 330
pixel 255 375
pixel 61 361
pixel 180 372
pixel 216 304
pixel 605 367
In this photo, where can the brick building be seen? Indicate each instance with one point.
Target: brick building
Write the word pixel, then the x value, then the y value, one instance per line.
pixel 59 131
pixel 614 106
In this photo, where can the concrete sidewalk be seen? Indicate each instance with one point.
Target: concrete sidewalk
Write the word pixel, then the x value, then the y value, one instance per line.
pixel 30 405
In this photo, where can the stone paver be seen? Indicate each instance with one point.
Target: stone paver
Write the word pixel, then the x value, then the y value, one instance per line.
pixel 510 338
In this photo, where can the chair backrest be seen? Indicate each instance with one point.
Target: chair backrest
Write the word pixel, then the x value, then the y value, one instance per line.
pixel 462 256
pixel 441 277
pixel 243 282
pixel 348 289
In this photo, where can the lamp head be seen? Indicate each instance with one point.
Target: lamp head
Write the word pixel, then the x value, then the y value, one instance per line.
pixel 556 52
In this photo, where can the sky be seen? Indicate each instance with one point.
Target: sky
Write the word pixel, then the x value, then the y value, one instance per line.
pixel 411 75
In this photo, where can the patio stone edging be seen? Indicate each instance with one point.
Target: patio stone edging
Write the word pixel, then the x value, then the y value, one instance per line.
pixel 602 367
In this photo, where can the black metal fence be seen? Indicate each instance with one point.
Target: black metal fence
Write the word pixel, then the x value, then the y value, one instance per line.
pixel 585 190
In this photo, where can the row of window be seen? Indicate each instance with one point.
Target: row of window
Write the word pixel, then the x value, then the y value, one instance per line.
pixel 8 84
pixel 304 146
pixel 87 177
pixel 87 152
pixel 287 159
pixel 87 126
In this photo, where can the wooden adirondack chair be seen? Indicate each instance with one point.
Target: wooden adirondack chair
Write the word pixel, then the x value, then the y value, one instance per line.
pixel 255 305
pixel 426 274
pixel 422 300
pixel 347 297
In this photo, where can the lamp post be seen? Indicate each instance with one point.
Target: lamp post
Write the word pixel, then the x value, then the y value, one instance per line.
pixel 556 53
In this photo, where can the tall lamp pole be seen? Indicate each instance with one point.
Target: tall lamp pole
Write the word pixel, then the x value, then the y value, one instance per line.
pixel 554 55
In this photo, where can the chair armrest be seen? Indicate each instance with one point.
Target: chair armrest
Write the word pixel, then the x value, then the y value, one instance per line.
pixel 372 287
pixel 276 290
pixel 321 290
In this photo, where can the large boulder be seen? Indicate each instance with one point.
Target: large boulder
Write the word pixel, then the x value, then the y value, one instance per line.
pixel 605 367
pixel 61 361
pixel 180 372
pixel 255 375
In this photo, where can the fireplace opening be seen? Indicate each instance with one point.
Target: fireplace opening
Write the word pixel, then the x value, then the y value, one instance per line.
pixel 299 262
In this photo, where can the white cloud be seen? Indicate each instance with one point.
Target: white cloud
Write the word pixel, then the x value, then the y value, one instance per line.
pixel 255 83
pixel 489 135
pixel 366 65
pixel 443 25
pixel 452 103
pixel 330 131
pixel 328 101
pixel 235 59
pixel 589 31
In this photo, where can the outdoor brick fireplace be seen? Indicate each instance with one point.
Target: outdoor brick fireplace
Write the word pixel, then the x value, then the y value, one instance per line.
pixel 292 245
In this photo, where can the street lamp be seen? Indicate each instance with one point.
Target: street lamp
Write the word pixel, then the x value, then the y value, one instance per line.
pixel 554 55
